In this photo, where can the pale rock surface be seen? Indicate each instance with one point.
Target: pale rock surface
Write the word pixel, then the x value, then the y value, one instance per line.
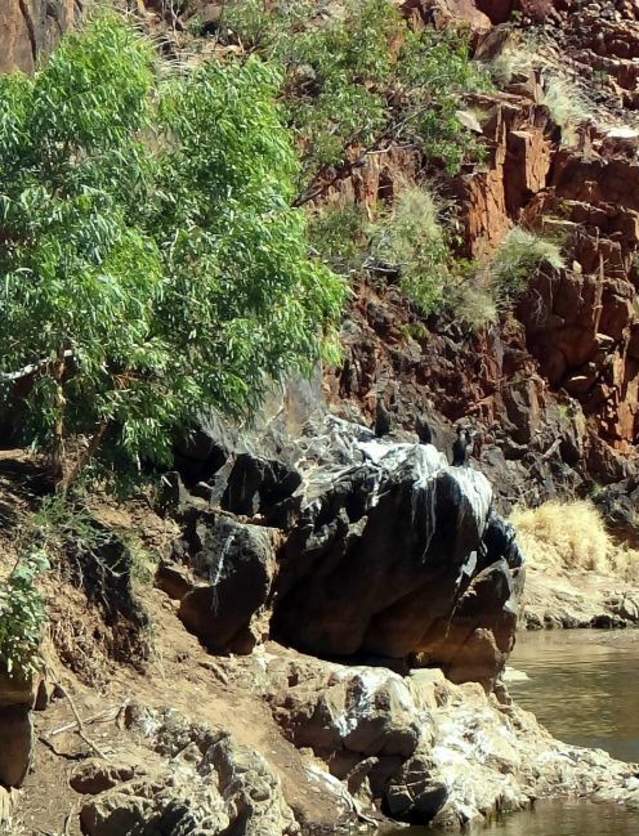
pixel 202 784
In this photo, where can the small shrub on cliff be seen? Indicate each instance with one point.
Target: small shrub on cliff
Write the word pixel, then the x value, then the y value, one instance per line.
pixel 412 240
pixel 69 530
pixel 152 265
pixel 521 254
pixel 572 536
pixel 514 59
pixel 22 615
pixel 473 303
pixel 339 236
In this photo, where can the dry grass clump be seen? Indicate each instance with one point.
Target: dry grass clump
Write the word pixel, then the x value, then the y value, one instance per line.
pixel 412 239
pixel 520 255
pixel 567 106
pixel 572 536
pixel 514 59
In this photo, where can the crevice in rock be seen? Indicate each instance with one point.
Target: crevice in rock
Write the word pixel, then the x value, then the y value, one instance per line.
pixel 28 21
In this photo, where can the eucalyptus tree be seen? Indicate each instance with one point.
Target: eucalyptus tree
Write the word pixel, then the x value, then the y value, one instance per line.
pixel 151 263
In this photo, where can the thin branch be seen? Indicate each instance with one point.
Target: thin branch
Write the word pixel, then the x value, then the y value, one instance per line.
pixel 95 718
pixel 86 454
pixel 346 167
pixel 80 724
pixel 553 447
pixel 75 756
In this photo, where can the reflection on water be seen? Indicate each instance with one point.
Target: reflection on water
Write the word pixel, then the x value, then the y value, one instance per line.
pixel 583 686
pixel 553 818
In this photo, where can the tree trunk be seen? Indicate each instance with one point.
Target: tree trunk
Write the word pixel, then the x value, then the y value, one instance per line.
pixel 57 449
pixel 85 456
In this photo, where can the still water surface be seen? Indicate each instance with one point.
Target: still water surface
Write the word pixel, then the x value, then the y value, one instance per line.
pixel 552 818
pixel 583 685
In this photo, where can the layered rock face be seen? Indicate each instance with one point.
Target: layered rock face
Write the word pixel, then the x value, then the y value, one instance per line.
pixel 30 28
pixel 554 389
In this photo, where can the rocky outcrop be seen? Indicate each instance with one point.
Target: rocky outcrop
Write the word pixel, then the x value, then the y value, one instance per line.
pixel 387 554
pixel 195 781
pixel 618 503
pixel 443 13
pixel 385 549
pixel 222 572
pixel 372 743
pixel 16 730
pixel 425 751
pixel 568 361
pixel 30 28
pixel 581 322
pixel 531 442
pixel 578 600
pixel 519 135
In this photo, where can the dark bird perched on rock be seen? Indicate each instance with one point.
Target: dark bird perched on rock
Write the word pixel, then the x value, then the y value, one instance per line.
pixel 382 420
pixel 423 430
pixel 462 447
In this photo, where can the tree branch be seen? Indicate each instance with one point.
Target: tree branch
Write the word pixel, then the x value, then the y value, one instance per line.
pixel 346 167
pixel 32 368
pixel 86 455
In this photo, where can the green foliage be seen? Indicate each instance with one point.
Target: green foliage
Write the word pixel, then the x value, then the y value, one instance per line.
pixel 412 240
pixel 152 265
pixel 360 76
pixel 22 615
pixel 339 235
pixel 60 521
pixel 67 528
pixel 415 331
pixel 144 563
pixel 434 74
pixel 521 254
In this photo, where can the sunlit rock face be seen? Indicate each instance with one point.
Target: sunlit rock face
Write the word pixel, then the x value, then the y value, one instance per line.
pixel 31 28
pixel 395 553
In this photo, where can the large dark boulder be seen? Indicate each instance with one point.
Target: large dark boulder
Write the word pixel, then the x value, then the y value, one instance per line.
pixel 262 486
pixel 203 451
pixel 412 795
pixel 618 503
pixel 381 549
pixel 397 553
pixel 225 603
